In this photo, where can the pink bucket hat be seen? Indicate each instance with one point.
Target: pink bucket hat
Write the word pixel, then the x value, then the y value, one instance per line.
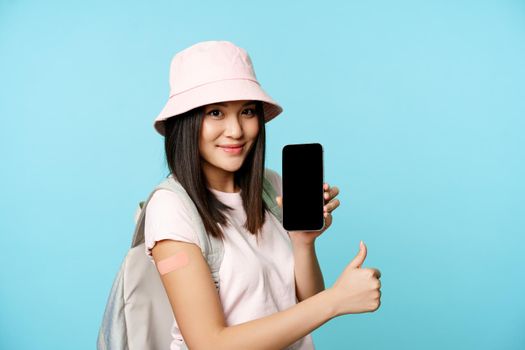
pixel 211 72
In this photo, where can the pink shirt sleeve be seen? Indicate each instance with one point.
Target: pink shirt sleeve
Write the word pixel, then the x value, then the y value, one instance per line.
pixel 167 218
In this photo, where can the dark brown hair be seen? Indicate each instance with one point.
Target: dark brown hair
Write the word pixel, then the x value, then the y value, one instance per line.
pixel 181 145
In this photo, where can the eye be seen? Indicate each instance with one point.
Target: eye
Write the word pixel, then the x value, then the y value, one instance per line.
pixel 250 111
pixel 214 113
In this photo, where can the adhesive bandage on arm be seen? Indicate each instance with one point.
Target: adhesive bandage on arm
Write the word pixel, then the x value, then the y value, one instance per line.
pixel 172 263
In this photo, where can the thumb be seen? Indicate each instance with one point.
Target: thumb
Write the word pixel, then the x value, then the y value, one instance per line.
pixel 279 201
pixel 359 258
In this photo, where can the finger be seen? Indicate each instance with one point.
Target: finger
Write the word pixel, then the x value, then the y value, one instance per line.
pixel 359 258
pixel 327 219
pixel 334 191
pixel 330 193
pixel 279 201
pixel 326 194
pixel 375 272
pixel 332 205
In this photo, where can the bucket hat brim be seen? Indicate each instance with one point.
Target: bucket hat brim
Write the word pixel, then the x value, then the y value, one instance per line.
pixel 214 92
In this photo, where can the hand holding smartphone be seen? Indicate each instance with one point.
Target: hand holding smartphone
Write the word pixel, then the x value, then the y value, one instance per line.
pixel 303 179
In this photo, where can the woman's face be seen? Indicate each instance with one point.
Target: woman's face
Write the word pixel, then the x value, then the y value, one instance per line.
pixel 228 132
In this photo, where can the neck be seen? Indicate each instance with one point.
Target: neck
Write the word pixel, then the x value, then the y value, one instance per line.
pixel 220 180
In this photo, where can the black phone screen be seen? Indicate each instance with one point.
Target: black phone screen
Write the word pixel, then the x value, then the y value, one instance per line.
pixel 302 175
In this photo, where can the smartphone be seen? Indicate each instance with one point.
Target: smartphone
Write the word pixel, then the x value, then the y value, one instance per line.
pixel 302 186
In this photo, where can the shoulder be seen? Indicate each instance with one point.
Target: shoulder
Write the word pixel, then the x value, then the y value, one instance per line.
pixel 165 196
pixel 164 200
pixel 168 216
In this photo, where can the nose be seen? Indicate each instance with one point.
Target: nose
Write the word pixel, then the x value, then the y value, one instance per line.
pixel 233 128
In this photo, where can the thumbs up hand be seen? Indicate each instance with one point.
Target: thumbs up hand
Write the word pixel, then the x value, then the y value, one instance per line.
pixel 357 288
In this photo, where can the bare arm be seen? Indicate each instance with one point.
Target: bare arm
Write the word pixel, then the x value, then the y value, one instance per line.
pixel 281 329
pixel 308 275
pixel 200 317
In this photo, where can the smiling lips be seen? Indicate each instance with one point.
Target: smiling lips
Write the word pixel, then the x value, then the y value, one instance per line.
pixel 232 149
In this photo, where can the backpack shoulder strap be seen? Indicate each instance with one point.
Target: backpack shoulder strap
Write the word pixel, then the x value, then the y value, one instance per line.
pixel 212 248
pixel 269 195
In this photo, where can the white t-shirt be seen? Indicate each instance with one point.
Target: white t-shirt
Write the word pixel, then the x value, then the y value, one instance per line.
pixel 256 280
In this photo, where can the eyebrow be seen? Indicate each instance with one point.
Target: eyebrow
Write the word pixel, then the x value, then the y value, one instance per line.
pixel 226 104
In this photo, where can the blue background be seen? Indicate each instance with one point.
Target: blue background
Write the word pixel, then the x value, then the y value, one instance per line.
pixel 420 107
